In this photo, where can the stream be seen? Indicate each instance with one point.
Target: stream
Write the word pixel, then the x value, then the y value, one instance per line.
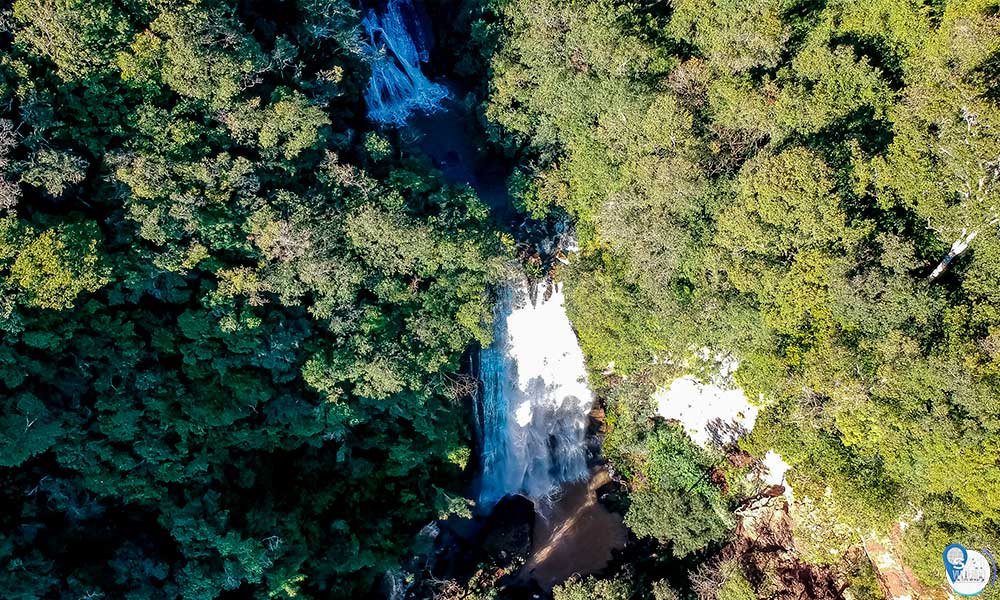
pixel 533 410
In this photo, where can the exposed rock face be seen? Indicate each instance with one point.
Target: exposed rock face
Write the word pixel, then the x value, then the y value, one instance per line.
pixel 763 546
pixel 598 425
pixel 896 579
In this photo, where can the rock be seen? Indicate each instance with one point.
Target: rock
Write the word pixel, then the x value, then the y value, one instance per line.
pixel 507 534
pixel 718 478
pixel 598 424
pixel 773 491
pixel 740 459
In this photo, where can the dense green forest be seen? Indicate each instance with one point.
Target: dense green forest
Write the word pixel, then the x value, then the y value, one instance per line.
pixel 781 179
pixel 234 310
pixel 231 321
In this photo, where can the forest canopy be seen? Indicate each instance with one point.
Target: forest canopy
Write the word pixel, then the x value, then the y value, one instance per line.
pixel 230 333
pixel 810 186
pixel 234 309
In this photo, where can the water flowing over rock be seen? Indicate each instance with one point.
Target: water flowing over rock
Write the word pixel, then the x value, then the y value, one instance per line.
pixel 396 48
pixel 535 399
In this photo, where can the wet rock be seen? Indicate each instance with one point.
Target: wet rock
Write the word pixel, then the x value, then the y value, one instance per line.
pixel 773 491
pixel 575 534
pixel 507 534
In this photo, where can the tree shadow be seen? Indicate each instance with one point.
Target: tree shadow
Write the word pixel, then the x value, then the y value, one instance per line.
pixel 878 53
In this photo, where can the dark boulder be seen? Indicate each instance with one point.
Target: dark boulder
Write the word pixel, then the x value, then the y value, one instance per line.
pixel 507 533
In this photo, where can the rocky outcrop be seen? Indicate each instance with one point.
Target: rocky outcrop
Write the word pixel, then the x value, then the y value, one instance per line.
pixel 896 579
pixel 508 532
pixel 764 548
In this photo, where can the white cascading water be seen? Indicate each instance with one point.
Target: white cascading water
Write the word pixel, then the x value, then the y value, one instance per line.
pixel 396 48
pixel 535 399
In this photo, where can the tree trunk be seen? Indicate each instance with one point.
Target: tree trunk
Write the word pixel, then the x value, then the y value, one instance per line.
pixel 957 249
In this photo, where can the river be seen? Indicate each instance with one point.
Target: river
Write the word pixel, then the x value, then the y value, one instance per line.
pixel 533 409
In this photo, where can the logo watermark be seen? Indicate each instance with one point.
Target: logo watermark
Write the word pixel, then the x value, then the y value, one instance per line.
pixel 968 571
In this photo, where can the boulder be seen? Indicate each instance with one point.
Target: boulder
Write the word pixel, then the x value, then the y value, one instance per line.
pixel 507 533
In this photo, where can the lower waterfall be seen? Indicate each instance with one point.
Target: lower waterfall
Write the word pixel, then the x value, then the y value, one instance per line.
pixel 535 399
pixel 396 48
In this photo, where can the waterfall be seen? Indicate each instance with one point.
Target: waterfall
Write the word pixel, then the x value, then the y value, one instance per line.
pixel 535 399
pixel 396 48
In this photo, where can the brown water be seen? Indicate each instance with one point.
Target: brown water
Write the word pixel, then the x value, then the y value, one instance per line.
pixel 575 535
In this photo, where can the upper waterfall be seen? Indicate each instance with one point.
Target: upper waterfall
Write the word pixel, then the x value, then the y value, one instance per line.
pixel 396 48
pixel 535 400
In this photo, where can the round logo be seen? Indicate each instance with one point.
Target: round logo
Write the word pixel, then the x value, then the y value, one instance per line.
pixel 968 571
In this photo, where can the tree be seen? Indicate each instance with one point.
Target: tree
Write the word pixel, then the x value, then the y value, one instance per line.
pixel 944 162
pixel 28 428
pixel 674 501
pixel 734 36
pixel 198 53
pixel 79 36
pixel 54 171
pixel 216 329
pixel 814 162
pixel 592 589
pixel 57 265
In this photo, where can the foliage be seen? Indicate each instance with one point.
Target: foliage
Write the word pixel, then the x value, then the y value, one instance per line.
pixel 229 338
pixel 672 496
pixel 592 589
pixel 54 171
pixel 663 591
pixel 780 180
pixel 820 537
pixel 722 579
pixel 231 314
pixel 55 266
pixel 735 586
pixel 673 499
